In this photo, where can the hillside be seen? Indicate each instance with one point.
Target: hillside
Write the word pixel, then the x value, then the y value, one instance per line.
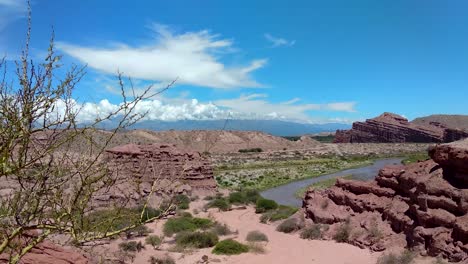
pixel 273 127
pixel 450 121
pixel 216 141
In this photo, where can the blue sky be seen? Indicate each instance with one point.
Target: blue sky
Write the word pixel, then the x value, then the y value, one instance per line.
pixel 310 61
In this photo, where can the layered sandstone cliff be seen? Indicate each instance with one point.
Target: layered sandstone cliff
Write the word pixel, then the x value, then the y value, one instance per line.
pixel 423 206
pixel 140 170
pixel 392 128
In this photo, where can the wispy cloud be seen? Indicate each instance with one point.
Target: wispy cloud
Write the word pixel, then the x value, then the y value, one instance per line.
pixel 10 10
pixel 257 106
pixel 194 58
pixel 278 42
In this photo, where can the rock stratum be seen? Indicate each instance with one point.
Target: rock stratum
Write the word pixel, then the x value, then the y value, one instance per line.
pixel 141 170
pixel 392 128
pixel 423 206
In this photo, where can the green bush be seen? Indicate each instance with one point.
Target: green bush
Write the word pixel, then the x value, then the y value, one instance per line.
pixel 237 198
pixel 138 231
pixel 254 236
pixel 221 229
pixel 282 212
pixel 176 225
pixel 196 239
pixel 149 213
pixel 162 260
pixel 154 241
pixel 230 247
pixel 343 232
pixel 110 219
pixel 131 246
pixel 182 201
pixel 406 257
pixel 250 150
pixel 219 203
pixel 312 232
pixel 251 195
pixel 288 226
pixel 264 205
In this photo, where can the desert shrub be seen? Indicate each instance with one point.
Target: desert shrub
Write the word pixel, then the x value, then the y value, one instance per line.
pixel 208 198
pixel 288 226
pixel 131 246
pixel 251 195
pixel 230 247
pixel 250 150
pixel 154 241
pixel 264 205
pixel 176 225
pixel 343 232
pixel 219 203
pixel 110 219
pixel 197 239
pixel 255 236
pixel 256 248
pixel 138 231
pixel 162 260
pixel 406 257
pixel 312 232
pixel 375 233
pixel 237 198
pixel 282 212
pixel 182 201
pixel 149 213
pixel 221 229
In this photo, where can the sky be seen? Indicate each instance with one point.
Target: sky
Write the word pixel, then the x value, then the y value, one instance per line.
pixel 306 61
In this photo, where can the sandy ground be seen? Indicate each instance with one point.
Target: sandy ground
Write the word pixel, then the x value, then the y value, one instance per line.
pixel 281 248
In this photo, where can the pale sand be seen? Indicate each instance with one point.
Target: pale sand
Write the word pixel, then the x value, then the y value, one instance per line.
pixel 281 248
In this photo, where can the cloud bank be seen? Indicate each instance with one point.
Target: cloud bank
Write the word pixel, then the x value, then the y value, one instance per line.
pixel 194 58
pixel 247 107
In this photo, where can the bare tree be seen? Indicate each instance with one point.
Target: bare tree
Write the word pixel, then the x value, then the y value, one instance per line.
pixel 49 185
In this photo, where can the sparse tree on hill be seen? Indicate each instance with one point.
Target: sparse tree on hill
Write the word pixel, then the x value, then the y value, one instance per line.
pixel 51 185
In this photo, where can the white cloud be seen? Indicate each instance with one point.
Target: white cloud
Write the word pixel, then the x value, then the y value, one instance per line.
pixel 278 42
pixel 10 10
pixel 252 107
pixel 256 105
pixel 192 57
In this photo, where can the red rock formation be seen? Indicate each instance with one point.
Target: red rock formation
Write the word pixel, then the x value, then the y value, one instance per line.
pixel 47 253
pixel 390 127
pixel 422 205
pixel 135 168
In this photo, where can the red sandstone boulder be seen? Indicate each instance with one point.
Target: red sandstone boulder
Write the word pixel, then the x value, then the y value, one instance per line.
pixel 425 205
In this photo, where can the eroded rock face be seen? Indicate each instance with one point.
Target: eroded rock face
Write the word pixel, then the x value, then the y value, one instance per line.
pixel 390 127
pixel 140 170
pixel 47 253
pixel 422 205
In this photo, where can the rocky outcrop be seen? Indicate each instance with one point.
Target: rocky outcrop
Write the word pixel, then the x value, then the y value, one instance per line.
pixel 422 205
pixel 392 128
pixel 47 252
pixel 140 170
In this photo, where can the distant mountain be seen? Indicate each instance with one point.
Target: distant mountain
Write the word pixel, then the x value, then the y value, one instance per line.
pixel 274 127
